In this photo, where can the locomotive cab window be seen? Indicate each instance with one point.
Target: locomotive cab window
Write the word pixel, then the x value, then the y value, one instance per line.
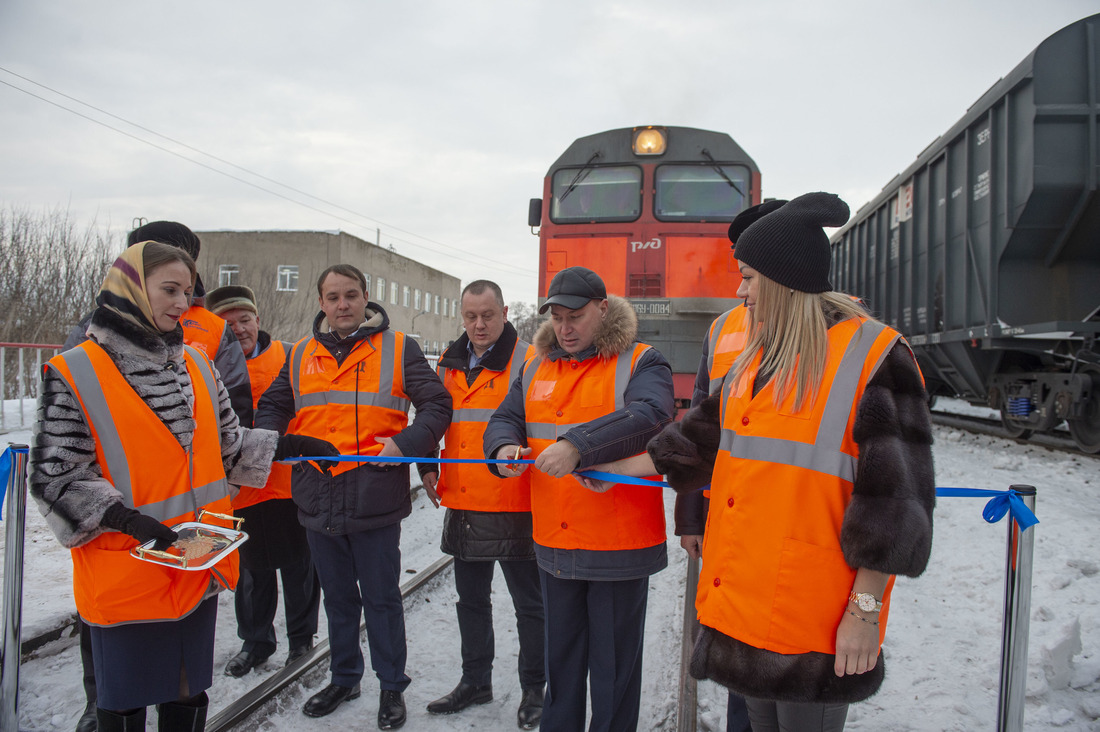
pixel 701 192
pixel 596 194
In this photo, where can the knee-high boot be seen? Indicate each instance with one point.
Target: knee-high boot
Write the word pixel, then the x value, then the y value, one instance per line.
pixel 109 721
pixel 183 716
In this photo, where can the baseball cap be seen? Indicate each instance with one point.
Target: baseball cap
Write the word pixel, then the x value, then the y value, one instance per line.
pixel 573 288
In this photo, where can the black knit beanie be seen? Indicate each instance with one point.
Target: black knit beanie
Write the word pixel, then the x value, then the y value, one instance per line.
pixel 789 245
pixel 750 216
pixel 166 232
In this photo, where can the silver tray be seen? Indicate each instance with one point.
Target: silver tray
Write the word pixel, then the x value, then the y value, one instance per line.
pixel 199 546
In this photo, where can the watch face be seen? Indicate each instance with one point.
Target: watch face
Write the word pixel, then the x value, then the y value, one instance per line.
pixel 866 602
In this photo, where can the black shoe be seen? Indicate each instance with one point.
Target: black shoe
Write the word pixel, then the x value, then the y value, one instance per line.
pixel 530 708
pixel 242 663
pixel 391 709
pixel 87 722
pixel 327 699
pixel 461 697
pixel 297 652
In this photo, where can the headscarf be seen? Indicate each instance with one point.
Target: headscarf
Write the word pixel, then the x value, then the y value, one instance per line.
pixel 123 291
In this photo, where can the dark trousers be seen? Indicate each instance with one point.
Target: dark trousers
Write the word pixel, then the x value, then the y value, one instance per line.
pixel 594 633
pixel 737 714
pixel 257 598
pixel 474 582
pixel 359 575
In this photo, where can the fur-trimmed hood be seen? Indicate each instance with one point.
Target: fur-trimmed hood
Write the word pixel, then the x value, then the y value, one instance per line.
pixel 617 332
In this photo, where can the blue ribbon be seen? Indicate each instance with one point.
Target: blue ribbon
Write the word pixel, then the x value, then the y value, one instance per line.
pixel 6 461
pixel 1002 502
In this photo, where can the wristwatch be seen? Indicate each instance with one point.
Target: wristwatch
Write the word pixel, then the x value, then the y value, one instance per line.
pixel 865 601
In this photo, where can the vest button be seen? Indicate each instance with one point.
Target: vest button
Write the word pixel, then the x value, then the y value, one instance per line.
pixel 717 581
pixel 730 503
pixel 331 429
pixel 573 364
pixel 744 420
pixel 564 525
pixel 558 412
pixel 463 489
pixel 464 444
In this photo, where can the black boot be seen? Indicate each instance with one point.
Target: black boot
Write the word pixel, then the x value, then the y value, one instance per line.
pixel 461 696
pixel 530 708
pixel 87 721
pixel 184 716
pixel 108 721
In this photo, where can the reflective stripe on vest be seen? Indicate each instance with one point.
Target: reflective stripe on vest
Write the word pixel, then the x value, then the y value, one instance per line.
pixel 382 398
pixel 721 342
pixel 624 369
pixel 95 401
pixel 824 455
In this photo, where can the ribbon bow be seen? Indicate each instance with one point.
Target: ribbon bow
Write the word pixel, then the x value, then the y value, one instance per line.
pixel 1002 502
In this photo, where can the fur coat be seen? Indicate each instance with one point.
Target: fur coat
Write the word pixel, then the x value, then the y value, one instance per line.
pixel 887 526
pixel 65 479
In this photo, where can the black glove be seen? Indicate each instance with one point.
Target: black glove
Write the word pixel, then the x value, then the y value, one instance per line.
pixel 300 445
pixel 138 525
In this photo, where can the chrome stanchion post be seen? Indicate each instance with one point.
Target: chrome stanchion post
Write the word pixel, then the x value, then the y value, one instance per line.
pixel 687 708
pixel 1017 610
pixel 14 521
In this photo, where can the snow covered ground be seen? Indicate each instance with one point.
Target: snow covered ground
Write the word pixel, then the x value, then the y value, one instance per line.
pixel 942 650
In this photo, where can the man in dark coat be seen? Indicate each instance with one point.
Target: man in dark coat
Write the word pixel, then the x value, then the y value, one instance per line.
pixel 353 381
pixel 277 542
pixel 488 519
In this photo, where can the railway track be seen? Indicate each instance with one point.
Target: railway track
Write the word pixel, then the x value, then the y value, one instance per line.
pixel 1058 440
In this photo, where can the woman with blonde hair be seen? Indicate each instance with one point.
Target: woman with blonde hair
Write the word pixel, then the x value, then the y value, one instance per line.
pixel 135 433
pixel 817 449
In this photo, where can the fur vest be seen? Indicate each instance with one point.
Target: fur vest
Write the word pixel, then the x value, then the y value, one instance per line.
pixel 887 526
pixel 64 477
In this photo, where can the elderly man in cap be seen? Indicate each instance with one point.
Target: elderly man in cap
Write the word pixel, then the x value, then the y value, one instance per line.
pixel 277 541
pixel 592 394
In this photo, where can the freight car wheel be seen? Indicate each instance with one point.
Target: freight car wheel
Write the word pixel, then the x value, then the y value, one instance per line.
pixel 1086 430
pixel 1013 428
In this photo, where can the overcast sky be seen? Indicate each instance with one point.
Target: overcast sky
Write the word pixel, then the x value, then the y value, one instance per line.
pixel 436 120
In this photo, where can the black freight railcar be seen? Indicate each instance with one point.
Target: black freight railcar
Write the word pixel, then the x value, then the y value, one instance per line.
pixel 985 252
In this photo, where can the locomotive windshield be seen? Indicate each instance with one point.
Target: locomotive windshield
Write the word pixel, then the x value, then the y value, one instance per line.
pixel 596 194
pixel 701 192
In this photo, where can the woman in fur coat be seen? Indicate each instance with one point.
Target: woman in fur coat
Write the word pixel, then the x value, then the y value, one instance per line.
pixel 136 433
pixel 817 449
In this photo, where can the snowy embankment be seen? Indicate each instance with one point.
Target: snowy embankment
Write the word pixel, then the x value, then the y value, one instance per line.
pixel 942 649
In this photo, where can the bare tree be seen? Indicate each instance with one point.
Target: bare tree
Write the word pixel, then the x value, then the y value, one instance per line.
pixel 49 272
pixel 525 318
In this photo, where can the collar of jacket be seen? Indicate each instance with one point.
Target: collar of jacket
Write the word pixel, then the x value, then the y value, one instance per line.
pixel 375 321
pixel 457 357
pixel 263 340
pixel 121 337
pixel 615 334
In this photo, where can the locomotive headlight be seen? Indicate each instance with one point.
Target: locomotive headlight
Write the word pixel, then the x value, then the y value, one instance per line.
pixel 650 141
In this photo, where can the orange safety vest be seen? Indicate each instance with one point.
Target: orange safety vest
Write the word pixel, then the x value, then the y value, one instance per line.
pixel 366 391
pixel 203 330
pixel 470 486
pixel 560 395
pixel 727 337
pixel 145 462
pixel 773 572
pixel 262 370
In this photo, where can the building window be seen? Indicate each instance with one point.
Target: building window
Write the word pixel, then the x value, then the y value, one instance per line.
pixel 366 285
pixel 393 292
pixel 228 274
pixel 405 295
pixel 380 290
pixel 437 304
pixel 454 308
pixel 427 301
pixel 416 298
pixel 287 276
pixel 444 307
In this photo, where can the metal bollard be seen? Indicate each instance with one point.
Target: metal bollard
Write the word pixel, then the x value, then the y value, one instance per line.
pixel 687 709
pixel 1017 612
pixel 14 520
